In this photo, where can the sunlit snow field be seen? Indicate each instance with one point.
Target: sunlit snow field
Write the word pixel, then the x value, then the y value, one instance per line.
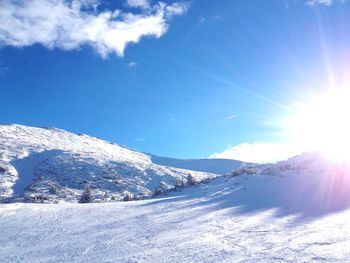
pixel 238 219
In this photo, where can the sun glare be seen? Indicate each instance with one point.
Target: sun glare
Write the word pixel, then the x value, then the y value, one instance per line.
pixel 323 124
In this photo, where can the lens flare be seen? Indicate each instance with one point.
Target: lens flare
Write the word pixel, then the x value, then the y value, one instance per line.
pixel 323 124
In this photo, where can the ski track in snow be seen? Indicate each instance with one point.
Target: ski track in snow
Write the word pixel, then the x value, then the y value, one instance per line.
pixel 194 225
pixel 292 211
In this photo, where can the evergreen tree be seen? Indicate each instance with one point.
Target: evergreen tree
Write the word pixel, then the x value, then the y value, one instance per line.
pixel 190 180
pixel 86 196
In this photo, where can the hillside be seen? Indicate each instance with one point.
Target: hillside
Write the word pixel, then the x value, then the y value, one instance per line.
pixel 216 166
pixel 294 211
pixel 49 165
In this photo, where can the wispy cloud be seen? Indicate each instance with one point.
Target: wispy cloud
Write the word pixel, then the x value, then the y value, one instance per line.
pixel 176 9
pixel 319 2
pixel 234 116
pixel 138 3
pixel 70 24
pixel 140 139
pixel 258 152
pixel 207 19
pixel 201 20
pixel 323 2
pixel 132 64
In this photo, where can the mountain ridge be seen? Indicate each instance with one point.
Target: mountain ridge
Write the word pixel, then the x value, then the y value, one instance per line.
pixel 54 165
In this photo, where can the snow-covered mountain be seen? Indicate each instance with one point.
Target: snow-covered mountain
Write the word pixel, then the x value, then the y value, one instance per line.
pixel 292 211
pixel 48 164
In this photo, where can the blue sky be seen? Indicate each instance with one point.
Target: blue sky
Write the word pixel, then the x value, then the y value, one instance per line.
pixel 206 77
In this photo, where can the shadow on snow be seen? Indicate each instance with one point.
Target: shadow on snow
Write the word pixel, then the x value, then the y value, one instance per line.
pixel 307 196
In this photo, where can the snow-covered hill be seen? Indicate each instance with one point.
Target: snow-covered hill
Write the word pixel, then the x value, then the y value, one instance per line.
pixel 216 166
pixel 294 211
pixel 48 164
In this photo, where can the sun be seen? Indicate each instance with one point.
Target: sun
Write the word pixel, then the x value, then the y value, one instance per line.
pixel 322 124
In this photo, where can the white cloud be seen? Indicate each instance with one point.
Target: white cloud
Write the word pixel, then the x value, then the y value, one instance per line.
pixel 258 152
pixel 132 64
pixel 322 2
pixel 319 2
pixel 176 9
pixel 70 24
pixel 138 3
pixel 234 116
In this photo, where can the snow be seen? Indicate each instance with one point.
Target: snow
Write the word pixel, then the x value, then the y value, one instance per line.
pixel 216 166
pixel 48 164
pixel 26 168
pixel 293 211
pixel 230 219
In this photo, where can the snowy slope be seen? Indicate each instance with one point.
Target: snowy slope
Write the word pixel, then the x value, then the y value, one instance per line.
pixel 48 164
pixel 216 166
pixel 294 211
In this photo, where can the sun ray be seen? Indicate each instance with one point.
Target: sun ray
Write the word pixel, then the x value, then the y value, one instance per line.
pixel 321 124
